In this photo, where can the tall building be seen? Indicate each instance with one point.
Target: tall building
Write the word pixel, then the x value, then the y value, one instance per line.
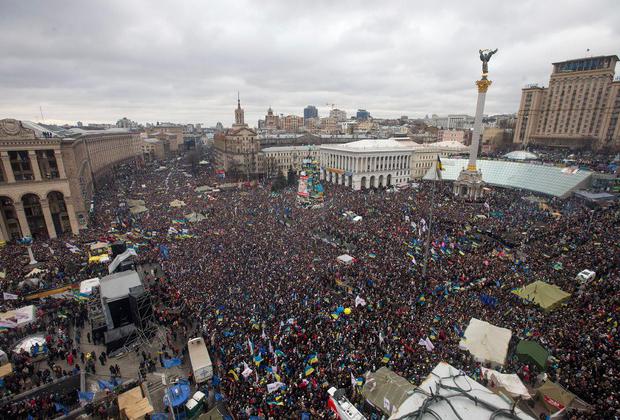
pixel 292 123
pixel 579 109
pixel 362 115
pixel 47 178
pixel 338 114
pixel 311 112
pixel 272 122
pixel 239 115
pixel 237 149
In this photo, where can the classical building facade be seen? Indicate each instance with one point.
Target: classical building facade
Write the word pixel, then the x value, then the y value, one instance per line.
pixel 381 162
pixel 367 163
pixel 47 179
pixel 579 109
pixel 281 159
pixel 237 149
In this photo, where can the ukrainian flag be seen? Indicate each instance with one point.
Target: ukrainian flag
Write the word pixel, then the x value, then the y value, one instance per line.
pixel 308 370
pixel 386 358
pixel 312 359
pixel 258 359
pixel 438 167
pixel 359 381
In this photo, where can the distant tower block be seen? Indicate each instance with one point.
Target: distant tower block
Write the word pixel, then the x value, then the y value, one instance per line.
pixel 469 184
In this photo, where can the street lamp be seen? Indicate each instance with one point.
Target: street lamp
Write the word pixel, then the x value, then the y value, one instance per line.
pixel 27 241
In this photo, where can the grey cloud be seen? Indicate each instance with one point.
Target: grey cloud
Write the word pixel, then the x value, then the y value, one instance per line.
pixel 185 61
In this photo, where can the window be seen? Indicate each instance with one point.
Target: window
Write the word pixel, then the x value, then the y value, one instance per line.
pixel 20 163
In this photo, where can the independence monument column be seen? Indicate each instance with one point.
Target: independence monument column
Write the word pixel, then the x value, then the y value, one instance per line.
pixel 469 183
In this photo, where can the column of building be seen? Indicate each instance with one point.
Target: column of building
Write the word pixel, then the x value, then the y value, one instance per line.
pixel 47 215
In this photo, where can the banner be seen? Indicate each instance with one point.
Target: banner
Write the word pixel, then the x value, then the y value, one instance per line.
pixel 9 296
pixel 302 190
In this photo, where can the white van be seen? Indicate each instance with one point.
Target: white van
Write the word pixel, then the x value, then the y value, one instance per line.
pixel 200 360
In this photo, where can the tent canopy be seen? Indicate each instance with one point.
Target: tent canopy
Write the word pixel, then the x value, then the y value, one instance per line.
pixel 195 217
pixel 177 203
pixel 345 259
pixel 554 397
pixel 138 209
pixel 86 286
pixel 510 383
pixel 547 296
pixel 386 390
pixel 135 203
pixel 486 342
pixel 532 352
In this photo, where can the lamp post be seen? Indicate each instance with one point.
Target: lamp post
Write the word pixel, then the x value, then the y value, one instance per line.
pixel 27 241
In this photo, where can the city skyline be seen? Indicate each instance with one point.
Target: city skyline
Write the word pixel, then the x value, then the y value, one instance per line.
pixel 163 64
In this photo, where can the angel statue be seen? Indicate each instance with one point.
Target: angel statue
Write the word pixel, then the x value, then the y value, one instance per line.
pixel 485 56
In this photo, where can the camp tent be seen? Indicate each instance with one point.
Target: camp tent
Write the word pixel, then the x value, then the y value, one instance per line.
pixel 532 352
pixel 28 343
pixel 545 295
pixel 86 286
pixel 486 342
pixel 135 203
pixel 138 209
pixel 97 246
pixel 130 252
pixel 555 398
pixel 386 390
pixel 509 384
pixel 18 317
pixel 195 217
pixel 345 259
pixel 177 203
pixel 474 404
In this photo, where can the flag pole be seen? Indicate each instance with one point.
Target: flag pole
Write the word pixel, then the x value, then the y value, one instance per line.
pixel 430 224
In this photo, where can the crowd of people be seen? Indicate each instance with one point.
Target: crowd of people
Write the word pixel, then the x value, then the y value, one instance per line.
pixel 259 279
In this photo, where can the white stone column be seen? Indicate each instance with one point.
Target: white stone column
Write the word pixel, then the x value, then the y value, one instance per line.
pixel 4 232
pixel 21 217
pixel 483 86
pixel 34 164
pixel 60 164
pixel 75 226
pixel 47 215
pixel 8 169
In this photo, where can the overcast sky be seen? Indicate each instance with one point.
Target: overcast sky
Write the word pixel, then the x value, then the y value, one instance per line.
pixel 183 61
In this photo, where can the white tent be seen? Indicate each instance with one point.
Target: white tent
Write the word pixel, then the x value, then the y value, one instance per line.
pixel 444 377
pixel 177 203
pixel 345 259
pixel 195 217
pixel 86 286
pixel 508 383
pixel 18 317
pixel 27 343
pixel 120 258
pixel 486 342
pixel 138 209
pixel 98 245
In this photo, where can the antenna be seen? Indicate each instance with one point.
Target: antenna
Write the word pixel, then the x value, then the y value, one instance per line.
pixel 41 111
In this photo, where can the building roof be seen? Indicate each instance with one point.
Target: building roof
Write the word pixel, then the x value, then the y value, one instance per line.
pixel 112 130
pixel 289 148
pixel 521 155
pixel 551 180
pixel 152 141
pixel 374 145
pixel 116 286
pixel 450 144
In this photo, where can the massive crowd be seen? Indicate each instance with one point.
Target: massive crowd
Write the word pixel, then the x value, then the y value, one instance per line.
pixel 259 279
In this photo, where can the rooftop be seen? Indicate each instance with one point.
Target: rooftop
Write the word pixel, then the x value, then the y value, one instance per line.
pixel 551 180
pixel 372 145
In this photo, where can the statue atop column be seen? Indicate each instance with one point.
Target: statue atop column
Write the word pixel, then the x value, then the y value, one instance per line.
pixel 485 56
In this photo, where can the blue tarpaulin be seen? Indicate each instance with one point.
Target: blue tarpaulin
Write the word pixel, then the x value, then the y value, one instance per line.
pixel 86 396
pixel 169 363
